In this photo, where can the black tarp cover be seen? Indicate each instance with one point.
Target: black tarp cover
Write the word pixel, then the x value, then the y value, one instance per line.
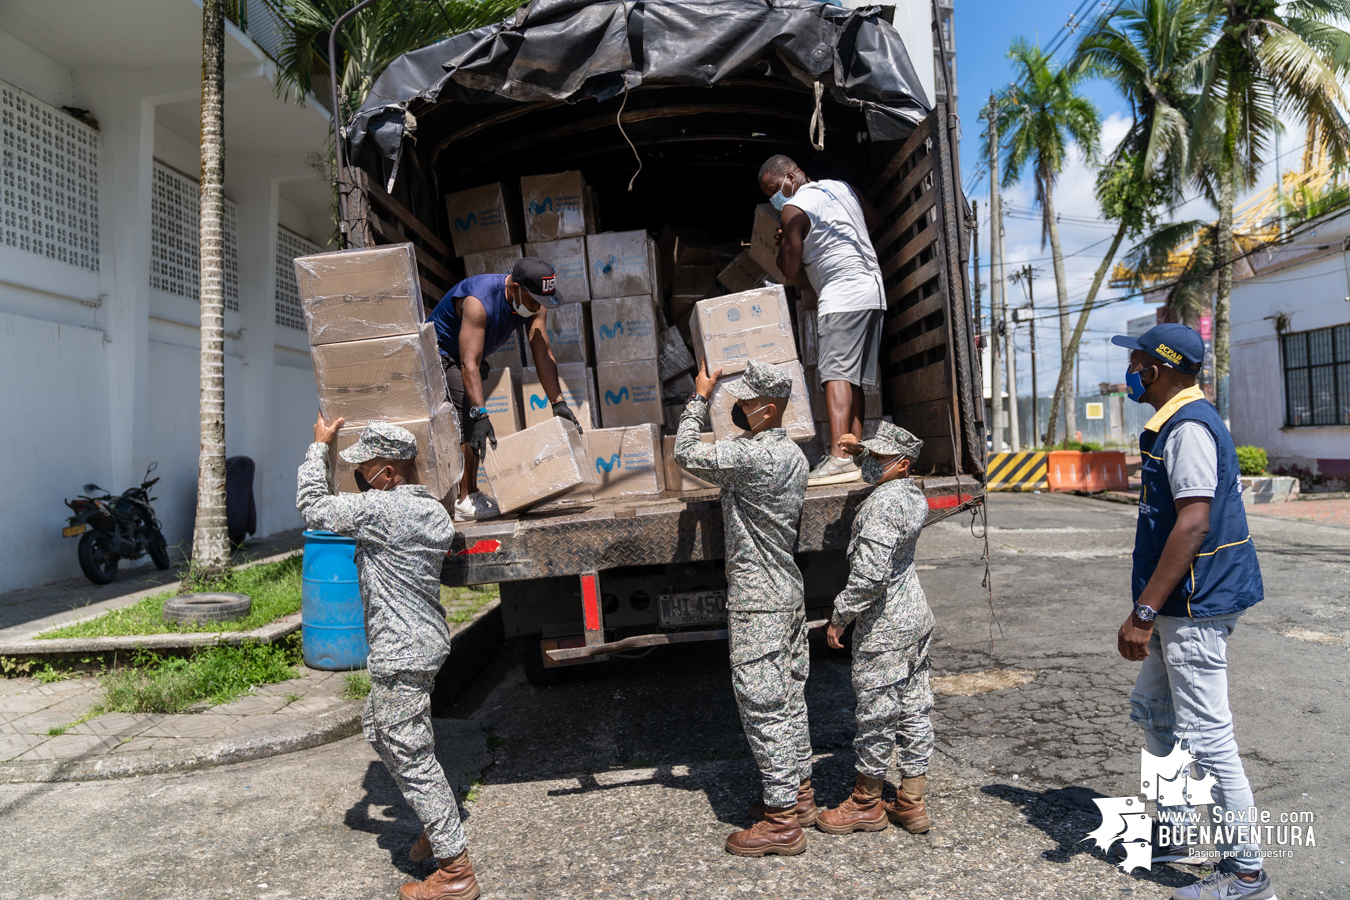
pixel 571 50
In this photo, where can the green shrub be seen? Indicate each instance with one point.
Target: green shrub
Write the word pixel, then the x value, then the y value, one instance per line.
pixel 1252 461
pixel 209 677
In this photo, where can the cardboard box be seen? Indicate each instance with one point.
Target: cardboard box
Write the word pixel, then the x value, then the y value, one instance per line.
pixel 573 379
pixel 392 378
pixel 355 295
pixel 764 241
pixel 508 355
pixel 439 463
pixel 625 329
pixel 743 274
pixel 620 264
pixel 728 331
pixel 630 393
pixel 797 420
pixel 501 398
pixel 492 262
pixel 677 479
pixel 675 357
pixel 537 464
pixel 569 333
pixel 681 246
pixel 628 462
pixel 568 258
pixel 555 206
pixel 484 218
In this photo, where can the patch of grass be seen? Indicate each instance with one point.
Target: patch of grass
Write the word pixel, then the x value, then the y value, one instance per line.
pixel 493 742
pixel 356 685
pixel 15 667
pixel 49 675
pixel 463 603
pixel 292 697
pixel 209 677
pixel 58 730
pixel 472 795
pixel 274 587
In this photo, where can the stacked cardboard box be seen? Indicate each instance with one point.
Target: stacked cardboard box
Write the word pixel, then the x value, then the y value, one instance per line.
pixel 492 262
pixel 627 463
pixel 729 331
pixel 677 478
pixel 375 359
pixel 575 380
pixel 627 351
pixel 537 464
pixel 484 218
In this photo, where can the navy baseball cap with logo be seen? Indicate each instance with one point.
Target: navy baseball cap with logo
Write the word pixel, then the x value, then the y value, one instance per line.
pixel 538 278
pixel 1173 345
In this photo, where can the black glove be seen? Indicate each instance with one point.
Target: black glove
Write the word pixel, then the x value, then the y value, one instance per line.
pixel 563 411
pixel 482 433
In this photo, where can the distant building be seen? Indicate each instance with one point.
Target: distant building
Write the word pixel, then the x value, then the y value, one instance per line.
pixel 1290 354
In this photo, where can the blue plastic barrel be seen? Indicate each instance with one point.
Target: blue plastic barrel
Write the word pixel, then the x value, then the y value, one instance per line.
pixel 332 621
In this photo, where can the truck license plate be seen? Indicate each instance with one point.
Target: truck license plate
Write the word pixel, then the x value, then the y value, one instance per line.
pixel 692 608
pixel 72 530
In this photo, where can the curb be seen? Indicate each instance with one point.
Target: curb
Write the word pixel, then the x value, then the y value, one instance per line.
pixel 65 646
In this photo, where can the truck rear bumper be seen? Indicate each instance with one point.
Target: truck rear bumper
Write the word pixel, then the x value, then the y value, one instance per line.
pixel 642 641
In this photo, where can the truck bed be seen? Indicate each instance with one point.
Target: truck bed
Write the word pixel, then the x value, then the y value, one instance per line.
pixel 667 528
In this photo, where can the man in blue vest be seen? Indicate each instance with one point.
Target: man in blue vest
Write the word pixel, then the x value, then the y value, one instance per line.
pixel 1195 572
pixel 475 318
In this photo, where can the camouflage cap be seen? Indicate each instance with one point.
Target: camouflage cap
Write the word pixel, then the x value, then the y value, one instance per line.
pixel 380 440
pixel 892 440
pixel 761 380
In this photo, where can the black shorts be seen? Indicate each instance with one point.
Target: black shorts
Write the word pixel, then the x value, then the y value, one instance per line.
pixel 454 392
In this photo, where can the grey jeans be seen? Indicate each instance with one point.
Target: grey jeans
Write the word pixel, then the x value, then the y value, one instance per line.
pixel 1182 694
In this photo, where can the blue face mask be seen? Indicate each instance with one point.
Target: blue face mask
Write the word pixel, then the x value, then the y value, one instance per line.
pixel 1135 382
pixel 779 199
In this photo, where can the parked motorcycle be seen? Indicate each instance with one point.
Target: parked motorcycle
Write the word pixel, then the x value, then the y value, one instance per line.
pixel 113 528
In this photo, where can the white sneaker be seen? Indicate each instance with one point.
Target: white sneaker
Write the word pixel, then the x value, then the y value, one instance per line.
pixel 1221 885
pixel 834 470
pixel 476 506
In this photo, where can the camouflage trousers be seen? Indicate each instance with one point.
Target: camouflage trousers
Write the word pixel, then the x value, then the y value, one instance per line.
pixel 894 699
pixel 397 723
pixel 769 665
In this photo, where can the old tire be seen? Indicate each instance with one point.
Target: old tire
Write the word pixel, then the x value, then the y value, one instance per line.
pixel 158 549
pixel 194 609
pixel 97 560
pixel 532 661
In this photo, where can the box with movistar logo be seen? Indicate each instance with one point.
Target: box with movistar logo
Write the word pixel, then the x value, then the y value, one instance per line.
pixel 502 400
pixel 568 258
pixel 492 262
pixel 484 218
pixel 756 324
pixel 569 333
pixel 629 393
pixel 621 264
pixel 625 329
pixel 555 206
pixel 626 460
pixel 573 379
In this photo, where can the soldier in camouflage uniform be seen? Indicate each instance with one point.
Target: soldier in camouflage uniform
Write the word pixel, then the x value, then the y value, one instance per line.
pixel 890 640
pixel 763 481
pixel 402 535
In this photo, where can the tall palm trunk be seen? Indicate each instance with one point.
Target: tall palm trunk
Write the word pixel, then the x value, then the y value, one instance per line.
pixel 1066 362
pixel 1224 288
pixel 1062 296
pixel 210 541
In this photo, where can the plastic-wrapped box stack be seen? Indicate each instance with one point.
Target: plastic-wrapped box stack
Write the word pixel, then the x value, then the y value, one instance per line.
pixel 376 359
pixel 626 324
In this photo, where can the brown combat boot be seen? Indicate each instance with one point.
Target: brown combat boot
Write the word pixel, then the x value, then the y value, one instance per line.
pixel 452 880
pixel 908 809
pixel 805 810
pixel 421 850
pixel 862 811
pixel 778 832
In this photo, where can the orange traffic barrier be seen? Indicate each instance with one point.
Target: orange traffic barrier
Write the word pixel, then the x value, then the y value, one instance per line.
pixel 1074 471
pixel 1064 470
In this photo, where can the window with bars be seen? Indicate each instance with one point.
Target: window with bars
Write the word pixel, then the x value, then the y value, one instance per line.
pixel 48 181
pixel 175 259
pixel 289 246
pixel 1317 376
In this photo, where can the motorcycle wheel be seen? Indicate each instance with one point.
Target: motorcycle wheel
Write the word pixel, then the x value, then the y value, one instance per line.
pixel 97 560
pixel 158 549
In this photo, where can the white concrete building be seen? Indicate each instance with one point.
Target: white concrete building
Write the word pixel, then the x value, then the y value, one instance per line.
pixel 1290 357
pixel 99 340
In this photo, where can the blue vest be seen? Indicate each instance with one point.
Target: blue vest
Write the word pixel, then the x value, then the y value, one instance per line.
pixel 1225 577
pixel 501 319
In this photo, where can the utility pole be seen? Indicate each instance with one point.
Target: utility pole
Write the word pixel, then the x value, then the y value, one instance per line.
pixel 975 245
pixel 1014 414
pixel 1027 276
pixel 995 282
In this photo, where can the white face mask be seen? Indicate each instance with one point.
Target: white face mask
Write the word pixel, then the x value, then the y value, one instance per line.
pixel 518 306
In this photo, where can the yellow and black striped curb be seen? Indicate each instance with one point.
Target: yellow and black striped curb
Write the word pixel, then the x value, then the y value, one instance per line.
pixel 1017 472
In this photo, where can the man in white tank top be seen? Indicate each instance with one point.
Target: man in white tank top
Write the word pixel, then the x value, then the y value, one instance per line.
pixel 825 227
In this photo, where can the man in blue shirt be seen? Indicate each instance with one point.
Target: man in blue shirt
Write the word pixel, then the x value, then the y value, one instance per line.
pixel 1195 572
pixel 475 318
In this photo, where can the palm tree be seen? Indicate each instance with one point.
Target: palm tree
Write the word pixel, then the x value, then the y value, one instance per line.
pixel 1038 116
pixel 1269 59
pixel 210 538
pixel 1149 50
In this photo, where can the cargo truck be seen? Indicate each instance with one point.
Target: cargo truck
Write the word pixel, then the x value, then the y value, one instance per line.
pixel 669 107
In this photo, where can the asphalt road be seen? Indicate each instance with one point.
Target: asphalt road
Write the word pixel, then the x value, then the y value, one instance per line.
pixel 625 788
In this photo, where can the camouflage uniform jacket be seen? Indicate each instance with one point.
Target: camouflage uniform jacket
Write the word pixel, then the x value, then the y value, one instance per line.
pixel 402 537
pixel 763 481
pixel 883 592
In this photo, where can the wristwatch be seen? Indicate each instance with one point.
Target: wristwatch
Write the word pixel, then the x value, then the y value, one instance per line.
pixel 477 412
pixel 697 396
pixel 1144 613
